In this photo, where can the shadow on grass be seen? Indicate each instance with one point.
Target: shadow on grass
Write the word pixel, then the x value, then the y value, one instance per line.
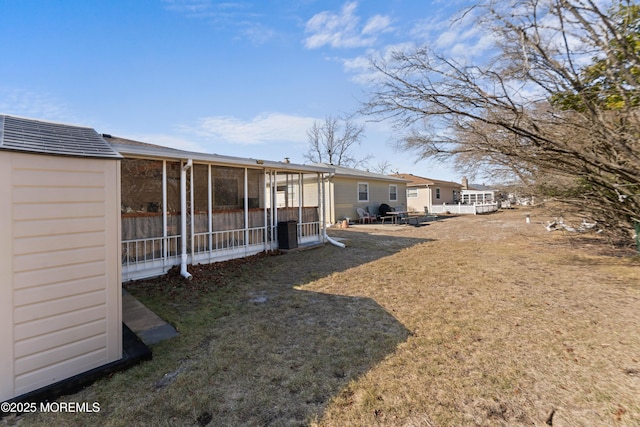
pixel 282 357
pixel 261 351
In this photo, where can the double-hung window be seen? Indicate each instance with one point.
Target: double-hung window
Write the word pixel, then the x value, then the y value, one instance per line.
pixel 393 193
pixel 363 192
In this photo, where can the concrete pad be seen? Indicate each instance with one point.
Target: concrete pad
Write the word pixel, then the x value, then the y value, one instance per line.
pixel 143 322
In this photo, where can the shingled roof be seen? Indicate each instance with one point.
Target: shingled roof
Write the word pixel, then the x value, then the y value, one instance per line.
pixel 346 172
pixel 419 181
pixel 35 136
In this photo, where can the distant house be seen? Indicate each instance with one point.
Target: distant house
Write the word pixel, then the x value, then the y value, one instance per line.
pixel 348 189
pixel 475 193
pixel 83 212
pixel 426 192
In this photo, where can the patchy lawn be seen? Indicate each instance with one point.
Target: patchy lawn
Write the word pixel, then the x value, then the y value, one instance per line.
pixel 477 320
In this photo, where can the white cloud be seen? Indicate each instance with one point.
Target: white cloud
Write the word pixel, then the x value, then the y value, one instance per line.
pixel 357 65
pixel 35 105
pixel 264 128
pixel 191 7
pixel 360 66
pixel 257 34
pixel 447 39
pixel 459 37
pixel 378 23
pixel 342 29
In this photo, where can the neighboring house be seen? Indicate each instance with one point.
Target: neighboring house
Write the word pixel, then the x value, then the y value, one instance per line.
pixel 426 192
pixel 83 212
pixel 348 189
pixel 475 193
pixel 60 282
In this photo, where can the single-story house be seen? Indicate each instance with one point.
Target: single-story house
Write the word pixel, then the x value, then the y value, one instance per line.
pixel 347 189
pixel 83 212
pixel 426 192
pixel 233 206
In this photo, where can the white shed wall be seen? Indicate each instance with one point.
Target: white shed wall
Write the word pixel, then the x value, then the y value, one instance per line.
pixel 6 282
pixel 63 278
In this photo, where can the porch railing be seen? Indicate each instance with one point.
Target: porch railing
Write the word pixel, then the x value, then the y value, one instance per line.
pixel 459 208
pixel 217 243
pixel 308 231
pixel 156 254
pixel 148 257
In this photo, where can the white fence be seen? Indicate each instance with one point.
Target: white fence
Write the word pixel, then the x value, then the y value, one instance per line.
pixel 476 208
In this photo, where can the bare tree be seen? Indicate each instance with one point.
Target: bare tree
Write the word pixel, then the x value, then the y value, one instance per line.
pixel 560 98
pixel 382 167
pixel 333 142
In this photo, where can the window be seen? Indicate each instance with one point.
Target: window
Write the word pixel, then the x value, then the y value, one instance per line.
pixel 227 188
pixel 363 192
pixel 393 192
pixel 437 193
pixel 412 193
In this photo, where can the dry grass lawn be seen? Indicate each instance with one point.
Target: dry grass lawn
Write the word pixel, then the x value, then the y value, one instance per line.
pixel 468 321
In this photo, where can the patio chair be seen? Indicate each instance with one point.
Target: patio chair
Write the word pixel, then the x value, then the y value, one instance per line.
pixel 374 216
pixel 365 217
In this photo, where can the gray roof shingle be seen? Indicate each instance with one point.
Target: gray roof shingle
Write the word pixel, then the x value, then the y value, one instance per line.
pixel 35 136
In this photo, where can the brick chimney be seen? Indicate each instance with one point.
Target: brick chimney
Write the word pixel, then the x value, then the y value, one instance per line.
pixel 465 183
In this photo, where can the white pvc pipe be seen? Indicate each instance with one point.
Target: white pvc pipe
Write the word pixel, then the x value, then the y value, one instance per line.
pixel 333 242
pixel 183 217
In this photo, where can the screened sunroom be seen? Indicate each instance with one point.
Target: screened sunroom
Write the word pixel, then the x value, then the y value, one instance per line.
pixel 232 207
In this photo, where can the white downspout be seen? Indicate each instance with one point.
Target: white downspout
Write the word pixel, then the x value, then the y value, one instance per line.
pixel 333 242
pixel 328 184
pixel 183 217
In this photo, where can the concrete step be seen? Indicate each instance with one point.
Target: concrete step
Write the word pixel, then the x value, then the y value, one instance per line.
pixel 143 322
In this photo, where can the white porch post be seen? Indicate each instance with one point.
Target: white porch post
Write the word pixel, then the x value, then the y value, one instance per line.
pixel 265 200
pixel 321 216
pixel 190 209
pixel 300 201
pixel 183 219
pixel 274 205
pixel 246 209
pixel 210 212
pixel 165 242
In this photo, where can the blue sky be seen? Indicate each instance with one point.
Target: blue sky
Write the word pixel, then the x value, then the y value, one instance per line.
pixel 239 78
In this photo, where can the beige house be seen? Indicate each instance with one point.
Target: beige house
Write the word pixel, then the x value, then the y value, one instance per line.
pixel 348 189
pixel 426 192
pixel 60 291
